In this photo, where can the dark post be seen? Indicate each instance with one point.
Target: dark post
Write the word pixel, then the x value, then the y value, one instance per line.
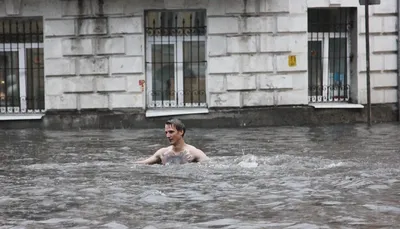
pixel 367 59
pixel 366 3
pixel 398 60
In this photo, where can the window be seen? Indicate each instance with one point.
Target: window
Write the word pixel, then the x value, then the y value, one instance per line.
pixel 329 46
pixel 176 58
pixel 21 66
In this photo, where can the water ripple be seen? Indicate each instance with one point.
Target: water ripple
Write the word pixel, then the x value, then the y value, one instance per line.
pixel 281 177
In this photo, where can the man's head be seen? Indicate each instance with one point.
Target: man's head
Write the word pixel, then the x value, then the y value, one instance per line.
pixel 174 130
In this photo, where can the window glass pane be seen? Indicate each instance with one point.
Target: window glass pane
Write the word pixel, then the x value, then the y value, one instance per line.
pixel 194 51
pixel 337 67
pixel 194 71
pixel 338 59
pixel 315 68
pixel 9 79
pixel 163 75
pixel 34 78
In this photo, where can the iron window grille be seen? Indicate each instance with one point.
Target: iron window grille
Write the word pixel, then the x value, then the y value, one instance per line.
pixel 176 58
pixel 329 54
pixel 21 65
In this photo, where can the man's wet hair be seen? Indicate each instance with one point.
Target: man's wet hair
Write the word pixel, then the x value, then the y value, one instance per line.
pixel 178 125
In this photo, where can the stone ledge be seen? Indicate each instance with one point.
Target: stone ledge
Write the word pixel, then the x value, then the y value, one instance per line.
pixel 336 106
pixel 216 118
pixel 175 111
pixel 10 117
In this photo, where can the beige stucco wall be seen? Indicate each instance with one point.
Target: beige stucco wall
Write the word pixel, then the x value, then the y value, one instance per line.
pixel 97 62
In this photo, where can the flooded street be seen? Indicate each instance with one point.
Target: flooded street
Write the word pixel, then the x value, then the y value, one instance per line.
pixel 277 177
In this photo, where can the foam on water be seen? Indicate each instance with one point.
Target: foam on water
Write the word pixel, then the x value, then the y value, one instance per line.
pixel 115 225
pixel 383 208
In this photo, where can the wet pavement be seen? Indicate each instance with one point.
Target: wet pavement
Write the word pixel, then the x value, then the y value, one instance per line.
pixel 278 177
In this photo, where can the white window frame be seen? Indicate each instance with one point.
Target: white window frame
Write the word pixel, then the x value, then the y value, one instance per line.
pixel 179 80
pixel 324 38
pixel 21 48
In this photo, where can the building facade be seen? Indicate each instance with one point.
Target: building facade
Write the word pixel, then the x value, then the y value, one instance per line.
pixel 189 57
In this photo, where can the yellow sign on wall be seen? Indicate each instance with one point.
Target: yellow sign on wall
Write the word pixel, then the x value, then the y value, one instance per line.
pixel 292 61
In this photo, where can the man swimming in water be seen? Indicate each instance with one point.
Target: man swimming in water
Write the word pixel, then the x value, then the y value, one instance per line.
pixel 178 152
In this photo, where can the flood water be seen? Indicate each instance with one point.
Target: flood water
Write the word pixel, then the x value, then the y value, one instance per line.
pixel 277 177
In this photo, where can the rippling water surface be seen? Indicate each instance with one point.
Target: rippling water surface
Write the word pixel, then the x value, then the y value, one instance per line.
pixel 276 177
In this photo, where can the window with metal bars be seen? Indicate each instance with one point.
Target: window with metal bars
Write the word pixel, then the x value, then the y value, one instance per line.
pixel 329 52
pixel 21 65
pixel 176 58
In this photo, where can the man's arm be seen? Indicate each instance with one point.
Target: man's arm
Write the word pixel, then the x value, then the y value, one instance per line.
pixel 200 155
pixel 154 159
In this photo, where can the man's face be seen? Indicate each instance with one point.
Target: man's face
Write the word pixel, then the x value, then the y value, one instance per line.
pixel 172 134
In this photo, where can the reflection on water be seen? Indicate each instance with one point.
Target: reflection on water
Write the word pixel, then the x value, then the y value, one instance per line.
pixel 327 177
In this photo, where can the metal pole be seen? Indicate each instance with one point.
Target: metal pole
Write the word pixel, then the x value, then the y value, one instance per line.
pixel 367 60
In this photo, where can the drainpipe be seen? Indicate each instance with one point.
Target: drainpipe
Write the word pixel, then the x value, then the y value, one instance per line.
pixel 398 59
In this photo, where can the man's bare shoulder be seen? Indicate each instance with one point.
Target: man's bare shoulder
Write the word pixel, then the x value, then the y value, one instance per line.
pixel 197 153
pixel 164 150
pixel 191 147
pixel 194 149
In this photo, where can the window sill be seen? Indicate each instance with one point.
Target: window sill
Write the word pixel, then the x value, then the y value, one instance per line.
pixel 20 117
pixel 175 111
pixel 336 105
